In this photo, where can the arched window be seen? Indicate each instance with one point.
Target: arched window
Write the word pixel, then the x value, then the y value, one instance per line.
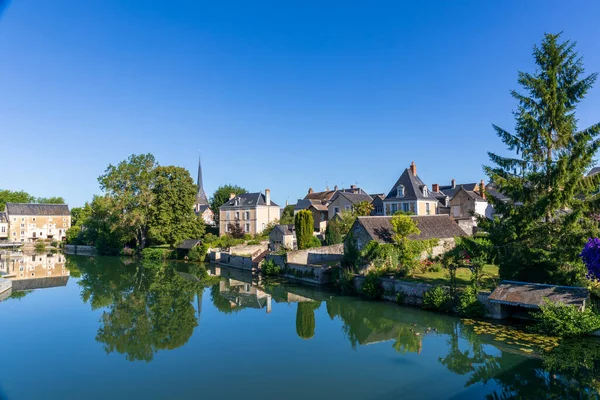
pixel 425 191
pixel 400 191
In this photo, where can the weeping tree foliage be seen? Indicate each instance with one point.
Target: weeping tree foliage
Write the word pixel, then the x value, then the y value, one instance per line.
pixel 543 227
pixel 304 225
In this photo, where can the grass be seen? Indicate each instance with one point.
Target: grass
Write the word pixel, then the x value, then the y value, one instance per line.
pixel 489 278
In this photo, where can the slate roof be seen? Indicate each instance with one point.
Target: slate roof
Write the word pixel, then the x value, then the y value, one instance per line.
pixel 451 191
pixel 353 198
pixel 490 190
pixel 321 196
pixel 318 206
pixel 431 227
pixel 531 295
pixel 285 229
pixel 594 171
pixel 202 208
pixel 3 217
pixel 247 200
pixel 37 209
pixel 413 188
pixel 188 244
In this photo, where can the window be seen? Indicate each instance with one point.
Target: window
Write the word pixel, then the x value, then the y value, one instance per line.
pixel 425 191
pixel 427 208
pixel 226 227
pixel 14 220
pixel 348 207
pixel 64 225
pixel 405 207
pixel 394 208
pixel 64 220
pixel 41 233
pixel 14 233
pixel 247 215
pixel 50 219
pixel 264 226
pixel 22 225
pixel 3 229
pixel 22 233
pixel 379 210
pixel 246 227
pixel 22 219
pixel 336 210
pixel 400 191
pixel 226 215
pixel 237 215
pixel 33 219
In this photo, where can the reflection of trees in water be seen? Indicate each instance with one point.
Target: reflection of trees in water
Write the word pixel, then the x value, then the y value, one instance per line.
pixel 149 306
pixel 305 319
pixel 571 370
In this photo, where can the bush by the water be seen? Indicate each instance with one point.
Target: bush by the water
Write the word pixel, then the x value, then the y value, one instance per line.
pixel 269 268
pixel 469 305
pixel 565 320
pixel 436 298
pixel 156 254
pixel 371 287
pixel 197 253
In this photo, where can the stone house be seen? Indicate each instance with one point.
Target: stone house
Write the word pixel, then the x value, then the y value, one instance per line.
pixel 377 204
pixel 282 236
pixel 343 201
pixel 3 226
pixel 318 203
pixel 380 229
pixel 410 194
pixel 31 222
pixel 251 211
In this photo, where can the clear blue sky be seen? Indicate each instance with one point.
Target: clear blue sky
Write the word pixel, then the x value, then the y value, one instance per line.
pixel 283 94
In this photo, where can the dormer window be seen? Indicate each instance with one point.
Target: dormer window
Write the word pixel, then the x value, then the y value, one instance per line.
pixel 400 191
pixel 425 191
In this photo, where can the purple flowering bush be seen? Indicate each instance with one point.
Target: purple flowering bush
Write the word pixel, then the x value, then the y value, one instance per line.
pixel 591 258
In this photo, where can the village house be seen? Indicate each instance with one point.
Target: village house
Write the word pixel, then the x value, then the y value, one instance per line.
pixel 31 222
pixel 251 211
pixel 3 226
pixel 343 201
pixel 201 207
pixel 377 204
pixel 318 203
pixel 380 229
pixel 411 195
pixel 283 236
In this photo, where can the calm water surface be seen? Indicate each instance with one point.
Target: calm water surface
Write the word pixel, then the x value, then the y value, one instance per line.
pixel 115 329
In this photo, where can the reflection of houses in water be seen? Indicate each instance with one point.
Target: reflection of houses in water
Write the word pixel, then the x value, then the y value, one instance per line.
pixel 242 294
pixel 35 271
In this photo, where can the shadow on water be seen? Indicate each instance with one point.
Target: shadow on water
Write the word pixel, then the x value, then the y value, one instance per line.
pixel 150 307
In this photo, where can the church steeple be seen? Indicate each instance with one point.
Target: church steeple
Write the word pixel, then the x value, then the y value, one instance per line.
pixel 201 198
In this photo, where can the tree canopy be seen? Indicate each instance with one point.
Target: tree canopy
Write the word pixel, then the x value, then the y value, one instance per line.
pixel 548 218
pixel 221 195
pixel 9 196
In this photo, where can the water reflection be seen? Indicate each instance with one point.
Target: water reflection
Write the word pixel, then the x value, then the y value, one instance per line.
pixel 147 308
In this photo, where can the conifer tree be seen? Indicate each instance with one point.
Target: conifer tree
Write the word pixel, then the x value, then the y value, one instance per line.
pixel 304 224
pixel 540 231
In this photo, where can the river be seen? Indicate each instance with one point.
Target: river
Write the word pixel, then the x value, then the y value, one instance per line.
pixel 111 328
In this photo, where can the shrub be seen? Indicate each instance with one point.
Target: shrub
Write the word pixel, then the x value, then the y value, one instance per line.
pixel 436 298
pixel 372 288
pixel 333 233
pixel 314 242
pixel 197 253
pixel 40 247
pixel 269 268
pixel 346 280
pixel 54 243
pixel 253 242
pixel 469 305
pixel 156 254
pixel 565 320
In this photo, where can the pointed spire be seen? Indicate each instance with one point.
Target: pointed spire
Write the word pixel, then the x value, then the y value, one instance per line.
pixel 201 198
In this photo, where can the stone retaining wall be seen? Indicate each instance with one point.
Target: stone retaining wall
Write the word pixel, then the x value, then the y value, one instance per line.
pixel 231 260
pixel 317 255
pixel 77 249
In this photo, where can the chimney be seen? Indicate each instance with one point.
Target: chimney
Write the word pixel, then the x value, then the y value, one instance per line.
pixel 231 196
pixel 268 196
pixel 482 189
pixel 310 191
pixel 453 183
pixel 335 187
pixel 435 188
pixel 352 186
pixel 287 203
pixel 413 169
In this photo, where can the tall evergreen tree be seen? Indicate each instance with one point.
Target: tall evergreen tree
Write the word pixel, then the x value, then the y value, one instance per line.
pixel 304 224
pixel 542 228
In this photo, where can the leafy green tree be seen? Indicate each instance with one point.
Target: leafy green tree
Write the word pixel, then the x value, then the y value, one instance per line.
pixel 544 226
pixel 287 215
pixel 346 220
pixel 304 225
pixel 221 196
pixel 128 186
pixel 403 226
pixel 50 200
pixel 235 230
pixel 333 233
pixel 362 209
pixel 173 219
pixel 8 196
